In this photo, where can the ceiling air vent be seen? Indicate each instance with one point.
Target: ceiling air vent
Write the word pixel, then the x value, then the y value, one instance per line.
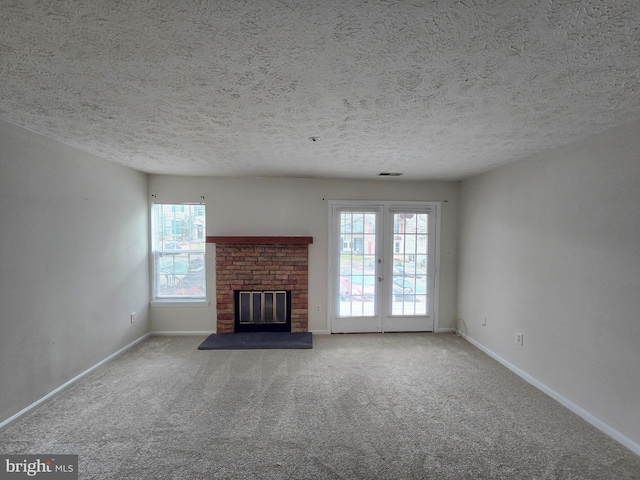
pixel 389 174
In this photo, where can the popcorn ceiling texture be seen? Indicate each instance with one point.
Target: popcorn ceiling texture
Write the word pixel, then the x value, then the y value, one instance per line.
pixel 438 89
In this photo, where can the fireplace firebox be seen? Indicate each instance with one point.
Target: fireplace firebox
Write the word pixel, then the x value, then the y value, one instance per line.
pixel 262 310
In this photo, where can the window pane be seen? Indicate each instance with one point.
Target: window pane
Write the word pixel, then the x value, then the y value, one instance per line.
pixel 410 264
pixel 178 242
pixel 357 264
pixel 180 275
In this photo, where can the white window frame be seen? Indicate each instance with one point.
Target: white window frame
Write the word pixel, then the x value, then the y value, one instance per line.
pixel 184 299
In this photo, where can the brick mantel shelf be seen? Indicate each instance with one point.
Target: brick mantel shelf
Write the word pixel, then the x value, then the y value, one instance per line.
pixel 261 240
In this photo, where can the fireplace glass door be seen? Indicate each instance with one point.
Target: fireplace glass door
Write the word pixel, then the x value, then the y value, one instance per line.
pixel 263 311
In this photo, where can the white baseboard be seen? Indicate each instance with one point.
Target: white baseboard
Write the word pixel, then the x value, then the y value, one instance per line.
pixel 179 333
pixel 327 332
pixel 445 330
pixel 596 422
pixel 53 393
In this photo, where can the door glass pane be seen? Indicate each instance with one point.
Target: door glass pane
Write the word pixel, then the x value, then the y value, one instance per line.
pixel 357 264
pixel 410 247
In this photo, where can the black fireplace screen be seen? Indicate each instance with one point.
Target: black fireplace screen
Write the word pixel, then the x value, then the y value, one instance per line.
pixel 263 311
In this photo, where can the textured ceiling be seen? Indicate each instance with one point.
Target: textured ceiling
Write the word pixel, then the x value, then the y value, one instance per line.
pixel 433 89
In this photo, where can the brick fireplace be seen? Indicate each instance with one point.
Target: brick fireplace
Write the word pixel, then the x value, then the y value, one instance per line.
pixel 261 263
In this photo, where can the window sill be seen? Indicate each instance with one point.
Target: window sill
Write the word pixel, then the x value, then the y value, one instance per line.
pixel 179 303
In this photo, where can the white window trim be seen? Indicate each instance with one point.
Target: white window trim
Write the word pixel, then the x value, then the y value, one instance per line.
pixel 180 303
pixel 172 301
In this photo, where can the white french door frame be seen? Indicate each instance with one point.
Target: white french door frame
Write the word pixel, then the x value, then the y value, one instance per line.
pixel 383 296
pixel 355 323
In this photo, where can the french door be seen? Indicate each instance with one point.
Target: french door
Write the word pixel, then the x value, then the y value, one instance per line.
pixel 382 266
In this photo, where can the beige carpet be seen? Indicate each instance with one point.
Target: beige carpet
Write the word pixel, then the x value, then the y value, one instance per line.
pixel 389 406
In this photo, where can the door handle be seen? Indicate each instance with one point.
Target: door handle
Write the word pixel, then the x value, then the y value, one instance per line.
pixel 379 279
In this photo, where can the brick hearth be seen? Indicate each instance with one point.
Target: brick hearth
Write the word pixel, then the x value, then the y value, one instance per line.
pixel 262 263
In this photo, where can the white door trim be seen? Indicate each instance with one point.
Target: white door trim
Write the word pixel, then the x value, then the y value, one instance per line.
pixel 386 205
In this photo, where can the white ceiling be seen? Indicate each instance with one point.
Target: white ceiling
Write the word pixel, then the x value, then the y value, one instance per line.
pixel 432 89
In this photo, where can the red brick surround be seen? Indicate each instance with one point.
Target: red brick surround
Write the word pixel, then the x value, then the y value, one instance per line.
pixel 244 266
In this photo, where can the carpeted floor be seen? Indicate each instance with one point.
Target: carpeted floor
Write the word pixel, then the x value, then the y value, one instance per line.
pixel 374 406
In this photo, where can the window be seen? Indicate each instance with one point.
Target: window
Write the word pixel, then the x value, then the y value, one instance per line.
pixel 410 263
pixel 178 245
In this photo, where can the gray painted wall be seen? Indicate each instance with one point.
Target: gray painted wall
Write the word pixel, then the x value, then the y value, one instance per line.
pixel 73 263
pixel 550 247
pixel 289 206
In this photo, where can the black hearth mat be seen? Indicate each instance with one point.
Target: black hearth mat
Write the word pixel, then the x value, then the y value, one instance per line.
pixel 257 340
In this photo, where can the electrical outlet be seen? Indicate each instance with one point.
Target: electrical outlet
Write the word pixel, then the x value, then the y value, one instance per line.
pixel 317 308
pixel 132 317
pixel 520 339
pixel 484 321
